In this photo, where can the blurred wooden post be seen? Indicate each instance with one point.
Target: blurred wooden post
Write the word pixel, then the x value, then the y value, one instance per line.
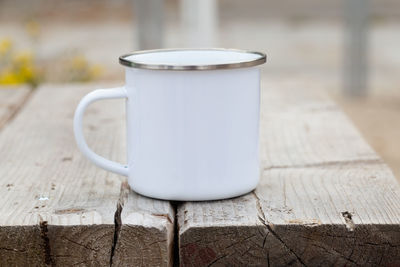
pixel 199 22
pixel 150 20
pixel 356 44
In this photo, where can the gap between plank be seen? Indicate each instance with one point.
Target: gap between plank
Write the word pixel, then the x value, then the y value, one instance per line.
pixel 124 191
pixel 175 247
pixel 117 217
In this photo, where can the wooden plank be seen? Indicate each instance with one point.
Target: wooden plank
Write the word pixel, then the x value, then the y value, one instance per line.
pixel 304 127
pixel 325 197
pixel 11 100
pixel 59 208
pixel 146 232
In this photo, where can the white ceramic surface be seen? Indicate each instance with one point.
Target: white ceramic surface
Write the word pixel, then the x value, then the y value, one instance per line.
pixel 191 134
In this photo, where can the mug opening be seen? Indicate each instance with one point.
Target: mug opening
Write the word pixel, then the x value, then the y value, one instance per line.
pixel 192 59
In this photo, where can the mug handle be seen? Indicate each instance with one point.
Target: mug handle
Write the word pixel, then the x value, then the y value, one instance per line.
pixel 119 92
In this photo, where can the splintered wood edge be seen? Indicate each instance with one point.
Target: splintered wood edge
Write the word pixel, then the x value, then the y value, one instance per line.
pixel 143 237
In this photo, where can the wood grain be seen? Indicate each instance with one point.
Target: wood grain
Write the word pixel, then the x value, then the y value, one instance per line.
pixel 11 100
pixel 146 232
pixel 58 208
pixel 325 197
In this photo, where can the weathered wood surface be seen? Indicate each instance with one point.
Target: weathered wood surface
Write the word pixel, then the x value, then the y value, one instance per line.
pixel 145 233
pixel 11 100
pixel 57 208
pixel 325 198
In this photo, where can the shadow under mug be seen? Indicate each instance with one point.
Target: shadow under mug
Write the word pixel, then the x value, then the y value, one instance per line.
pixel 192 123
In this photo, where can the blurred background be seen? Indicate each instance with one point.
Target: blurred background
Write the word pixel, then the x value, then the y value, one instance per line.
pixel 348 47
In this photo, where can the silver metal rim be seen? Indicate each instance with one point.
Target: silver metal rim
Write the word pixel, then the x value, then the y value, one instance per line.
pixel 242 64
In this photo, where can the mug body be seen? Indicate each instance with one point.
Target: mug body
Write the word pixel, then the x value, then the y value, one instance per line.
pixel 193 135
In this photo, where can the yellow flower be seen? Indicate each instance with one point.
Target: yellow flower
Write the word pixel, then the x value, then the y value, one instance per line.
pixel 9 78
pixel 5 46
pixel 26 73
pixel 79 63
pixel 95 71
pixel 79 69
pixel 23 58
pixel 21 69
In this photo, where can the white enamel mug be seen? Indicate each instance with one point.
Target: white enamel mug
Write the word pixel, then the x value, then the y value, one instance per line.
pixel 192 123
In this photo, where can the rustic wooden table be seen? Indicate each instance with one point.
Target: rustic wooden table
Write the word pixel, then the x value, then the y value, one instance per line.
pixel 325 197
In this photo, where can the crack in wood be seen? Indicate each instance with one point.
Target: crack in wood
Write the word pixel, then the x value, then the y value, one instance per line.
pixel 264 241
pixel 382 244
pixel 353 247
pixel 166 216
pixel 247 250
pixel 175 245
pixel 239 241
pixel 327 164
pixel 48 259
pixel 217 260
pixel 79 244
pixel 117 218
pixel 335 253
pixel 264 221
pixel 13 250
